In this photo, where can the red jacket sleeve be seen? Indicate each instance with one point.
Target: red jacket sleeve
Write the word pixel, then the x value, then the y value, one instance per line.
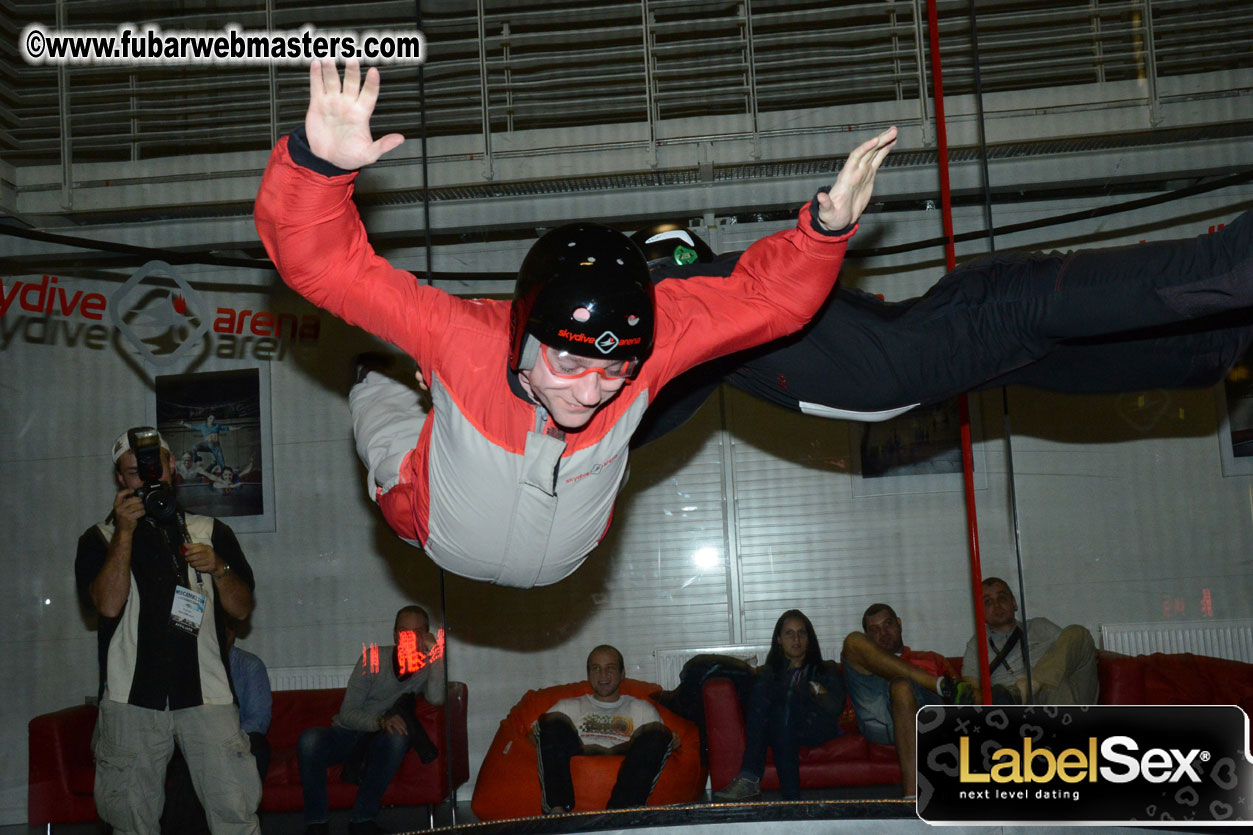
pixel 777 286
pixel 313 233
pixel 934 663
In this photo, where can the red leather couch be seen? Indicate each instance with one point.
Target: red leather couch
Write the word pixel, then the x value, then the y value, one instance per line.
pixel 1175 679
pixel 62 773
pixel 850 760
pixel 508 782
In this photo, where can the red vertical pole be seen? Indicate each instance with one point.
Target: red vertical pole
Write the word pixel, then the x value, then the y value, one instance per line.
pixel 950 260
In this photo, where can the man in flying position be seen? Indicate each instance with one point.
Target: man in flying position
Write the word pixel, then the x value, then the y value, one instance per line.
pixel 512 476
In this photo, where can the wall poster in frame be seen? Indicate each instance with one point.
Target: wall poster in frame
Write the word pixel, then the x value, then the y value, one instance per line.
pixel 1235 419
pixel 917 452
pixel 217 423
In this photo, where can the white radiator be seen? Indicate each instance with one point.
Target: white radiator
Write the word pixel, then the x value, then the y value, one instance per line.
pixel 308 678
pixel 670 661
pixel 1231 639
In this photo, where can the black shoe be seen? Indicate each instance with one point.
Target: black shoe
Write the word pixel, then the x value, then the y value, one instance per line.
pixel 369 361
pixel 1002 695
pixel 955 691
pixel 318 829
pixel 365 828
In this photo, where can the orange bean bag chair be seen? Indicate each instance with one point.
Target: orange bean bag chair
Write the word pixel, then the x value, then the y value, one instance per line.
pixel 508 781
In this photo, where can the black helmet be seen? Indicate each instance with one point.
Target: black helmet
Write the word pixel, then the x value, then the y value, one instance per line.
pixel 583 288
pixel 672 243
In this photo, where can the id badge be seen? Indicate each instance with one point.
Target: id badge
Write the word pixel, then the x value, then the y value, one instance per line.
pixel 188 610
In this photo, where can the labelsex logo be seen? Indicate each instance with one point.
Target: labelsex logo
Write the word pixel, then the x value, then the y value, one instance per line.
pixel 1073 765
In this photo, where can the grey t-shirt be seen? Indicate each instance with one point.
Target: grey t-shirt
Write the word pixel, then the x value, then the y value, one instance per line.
pixel 1041 633
pixel 371 692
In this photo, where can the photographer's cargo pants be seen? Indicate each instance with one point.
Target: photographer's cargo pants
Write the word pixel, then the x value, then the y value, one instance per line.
pixel 133 746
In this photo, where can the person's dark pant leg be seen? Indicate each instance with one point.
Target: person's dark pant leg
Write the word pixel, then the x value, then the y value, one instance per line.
pixel 783 741
pixel 218 458
pixel 986 322
pixel 205 446
pixel 761 703
pixel 641 767
pixel 558 742
pixel 317 750
pixel 1195 354
pixel 801 724
pixel 387 752
pixel 1104 291
pixel 261 753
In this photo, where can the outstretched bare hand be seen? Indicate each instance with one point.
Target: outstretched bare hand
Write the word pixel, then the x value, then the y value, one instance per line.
pixel 338 120
pixel 851 193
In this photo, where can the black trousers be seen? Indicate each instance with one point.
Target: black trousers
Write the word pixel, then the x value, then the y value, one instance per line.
pixel 1171 314
pixel 559 741
pixel 784 719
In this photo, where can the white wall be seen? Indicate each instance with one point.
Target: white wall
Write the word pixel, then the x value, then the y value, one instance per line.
pixel 1123 508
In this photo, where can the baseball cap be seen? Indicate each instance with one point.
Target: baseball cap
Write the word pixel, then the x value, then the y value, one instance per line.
pixel 123 443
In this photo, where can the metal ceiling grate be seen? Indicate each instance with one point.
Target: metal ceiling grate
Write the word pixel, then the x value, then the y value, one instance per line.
pixel 545 66
pixel 813 168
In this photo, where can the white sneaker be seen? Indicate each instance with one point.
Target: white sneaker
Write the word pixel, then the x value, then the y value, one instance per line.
pixel 741 788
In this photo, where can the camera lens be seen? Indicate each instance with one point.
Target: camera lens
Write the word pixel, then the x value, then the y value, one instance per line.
pixel 159 503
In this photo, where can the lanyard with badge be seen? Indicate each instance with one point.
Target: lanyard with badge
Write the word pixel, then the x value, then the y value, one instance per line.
pixel 187 609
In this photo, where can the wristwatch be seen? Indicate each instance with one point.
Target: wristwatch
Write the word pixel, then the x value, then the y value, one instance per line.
pixel 226 567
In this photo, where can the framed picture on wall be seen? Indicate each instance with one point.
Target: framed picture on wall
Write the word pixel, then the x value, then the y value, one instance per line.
pixel 218 426
pixel 917 452
pixel 1235 415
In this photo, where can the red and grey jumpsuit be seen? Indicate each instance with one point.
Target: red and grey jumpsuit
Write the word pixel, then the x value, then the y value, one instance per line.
pixel 488 487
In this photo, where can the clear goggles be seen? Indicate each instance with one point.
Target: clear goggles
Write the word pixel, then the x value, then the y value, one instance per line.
pixel 569 366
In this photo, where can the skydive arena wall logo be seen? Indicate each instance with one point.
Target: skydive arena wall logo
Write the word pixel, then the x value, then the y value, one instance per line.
pixel 162 327
pixel 161 323
pixel 1100 764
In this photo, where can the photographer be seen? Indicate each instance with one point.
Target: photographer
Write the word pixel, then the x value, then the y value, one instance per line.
pixel 163 582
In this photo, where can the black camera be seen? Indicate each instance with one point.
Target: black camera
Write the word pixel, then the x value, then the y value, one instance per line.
pixel 157 496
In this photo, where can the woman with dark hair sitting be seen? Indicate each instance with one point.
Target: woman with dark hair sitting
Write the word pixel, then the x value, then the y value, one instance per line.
pixel 796 701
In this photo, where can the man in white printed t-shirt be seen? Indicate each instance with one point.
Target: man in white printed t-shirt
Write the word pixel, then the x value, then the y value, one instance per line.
pixel 602 722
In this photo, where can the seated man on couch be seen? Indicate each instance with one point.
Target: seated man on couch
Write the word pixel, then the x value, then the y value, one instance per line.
pixel 375 726
pixel 602 722
pixel 1062 662
pixel 887 682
